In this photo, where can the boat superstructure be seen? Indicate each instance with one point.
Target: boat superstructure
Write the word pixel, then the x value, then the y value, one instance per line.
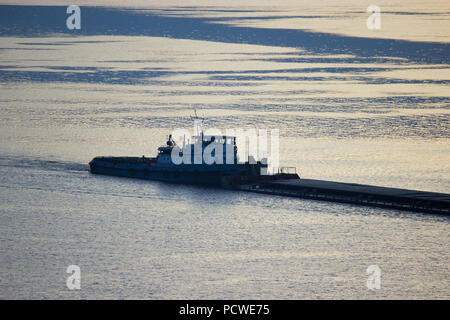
pixel 188 164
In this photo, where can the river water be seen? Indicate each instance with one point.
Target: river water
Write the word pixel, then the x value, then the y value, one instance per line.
pixel 351 104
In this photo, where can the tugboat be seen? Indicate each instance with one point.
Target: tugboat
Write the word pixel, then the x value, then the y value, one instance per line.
pixel 227 173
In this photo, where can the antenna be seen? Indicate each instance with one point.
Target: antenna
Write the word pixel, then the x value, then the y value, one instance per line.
pixel 198 131
pixel 196 117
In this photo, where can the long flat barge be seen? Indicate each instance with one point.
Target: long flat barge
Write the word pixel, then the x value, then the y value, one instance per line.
pixel 213 160
pixel 402 199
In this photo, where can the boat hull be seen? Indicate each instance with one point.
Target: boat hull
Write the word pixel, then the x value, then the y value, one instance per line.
pixel 203 178
pixel 142 168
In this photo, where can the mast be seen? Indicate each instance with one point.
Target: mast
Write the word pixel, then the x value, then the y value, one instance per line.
pixel 198 121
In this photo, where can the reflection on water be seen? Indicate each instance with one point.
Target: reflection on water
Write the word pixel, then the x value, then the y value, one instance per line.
pixel 348 108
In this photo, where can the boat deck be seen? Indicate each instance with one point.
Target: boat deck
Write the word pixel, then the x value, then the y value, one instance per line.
pixel 412 200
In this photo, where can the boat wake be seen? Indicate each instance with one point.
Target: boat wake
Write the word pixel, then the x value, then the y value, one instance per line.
pixel 52 165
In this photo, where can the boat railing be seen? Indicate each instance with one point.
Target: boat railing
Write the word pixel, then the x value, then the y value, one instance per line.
pixel 287 170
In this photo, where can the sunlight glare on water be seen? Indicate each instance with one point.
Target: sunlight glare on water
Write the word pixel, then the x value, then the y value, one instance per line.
pixel 352 105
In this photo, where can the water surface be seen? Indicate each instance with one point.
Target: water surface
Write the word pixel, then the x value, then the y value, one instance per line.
pixel 351 105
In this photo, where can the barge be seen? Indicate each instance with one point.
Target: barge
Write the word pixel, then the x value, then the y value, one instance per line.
pixel 252 176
